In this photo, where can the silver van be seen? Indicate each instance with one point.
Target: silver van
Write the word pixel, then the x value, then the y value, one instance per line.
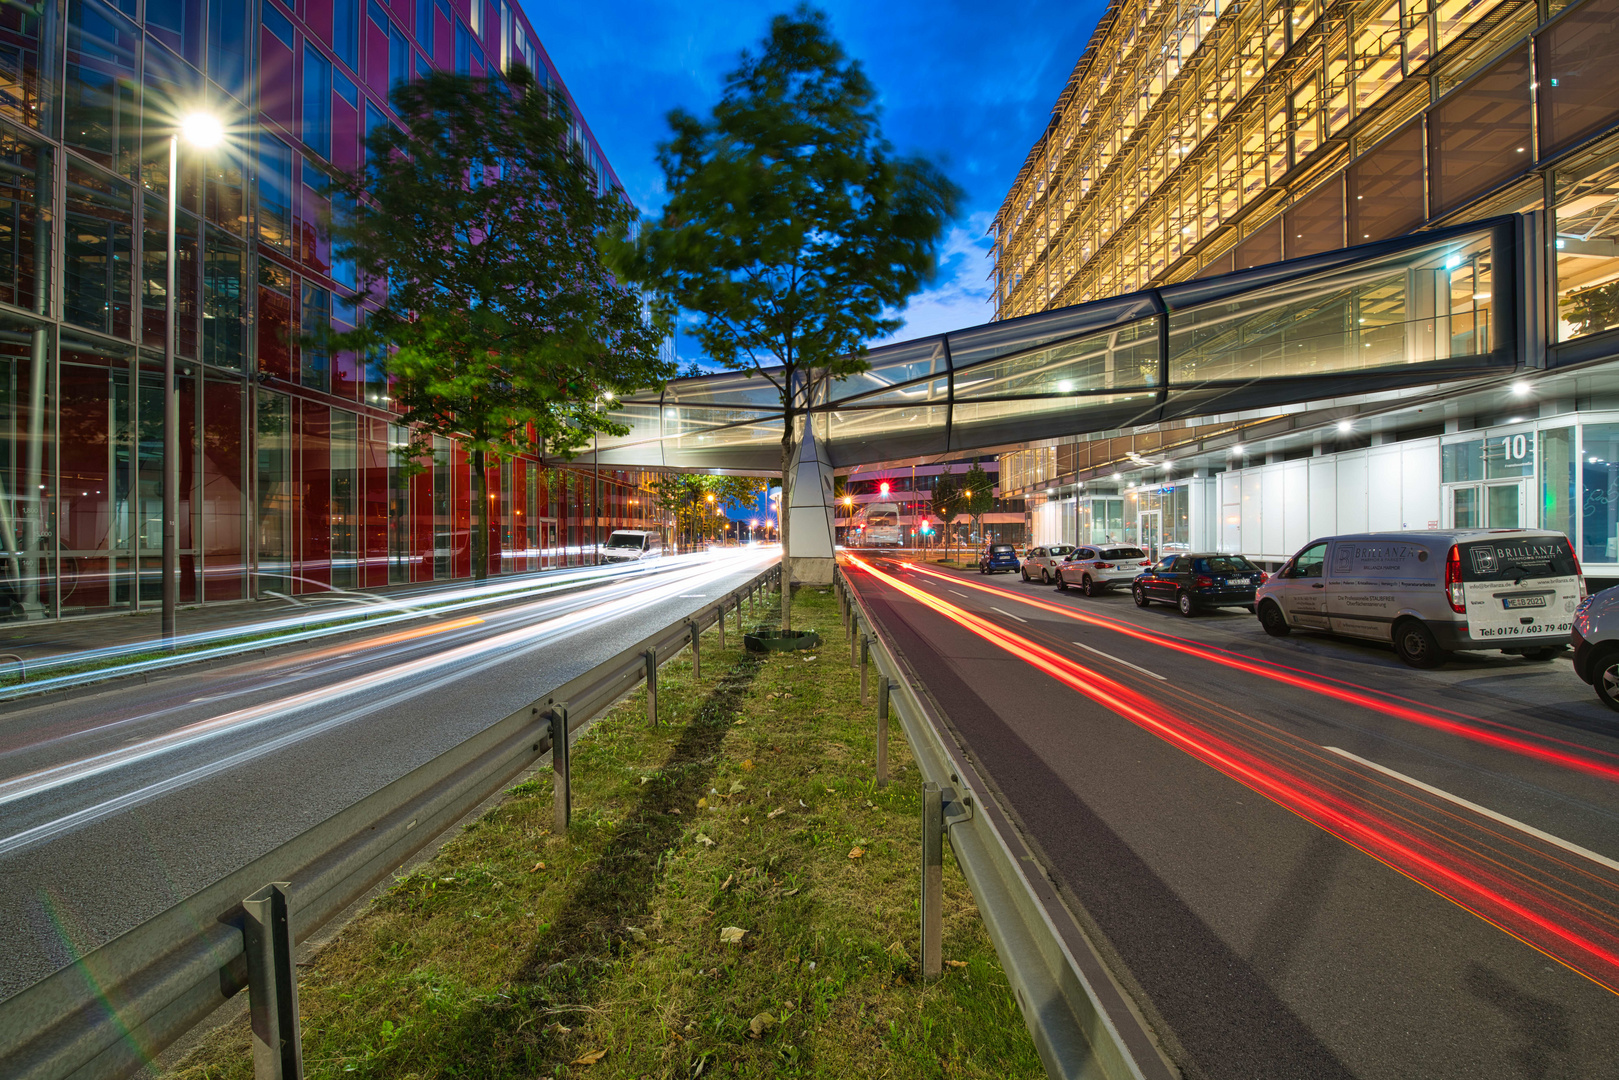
pixel 631 545
pixel 1431 593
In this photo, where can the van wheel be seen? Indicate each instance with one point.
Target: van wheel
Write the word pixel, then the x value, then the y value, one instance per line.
pixel 1140 595
pixel 1184 602
pixel 1605 677
pixel 1415 644
pixel 1272 619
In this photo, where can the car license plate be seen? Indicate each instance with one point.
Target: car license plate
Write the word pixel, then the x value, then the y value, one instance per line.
pixel 1512 602
pixel 1239 581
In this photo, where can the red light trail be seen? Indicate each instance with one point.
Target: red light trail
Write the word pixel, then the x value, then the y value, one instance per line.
pixel 1504 737
pixel 1572 919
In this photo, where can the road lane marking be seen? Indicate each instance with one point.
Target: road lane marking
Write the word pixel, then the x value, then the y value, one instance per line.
pixel 1555 841
pixel 963 595
pixel 1009 615
pixel 1126 663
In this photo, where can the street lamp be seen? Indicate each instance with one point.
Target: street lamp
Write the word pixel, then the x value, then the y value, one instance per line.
pixel 204 131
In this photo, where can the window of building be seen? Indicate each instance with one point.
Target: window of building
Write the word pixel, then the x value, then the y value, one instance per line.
pixel 227 45
pixel 346 32
pixel 317 110
pixel 1586 218
pixel 398 58
pixel 177 24
pixel 315 321
pixel 1599 476
pixel 98 100
pixel 345 89
pixel 224 267
pixel 463 50
pixel 424 24
pixel 1481 133
pixel 275 192
pixel 1386 188
pixel 379 15
pixel 25 200
pixel 98 268
pixel 345 512
pixel 277 23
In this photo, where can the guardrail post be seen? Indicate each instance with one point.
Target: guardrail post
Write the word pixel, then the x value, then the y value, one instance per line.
pixel 865 662
pixel 561 770
pixel 932 879
pixel 882 731
pixel 696 654
pixel 721 623
pixel 272 985
pixel 652 687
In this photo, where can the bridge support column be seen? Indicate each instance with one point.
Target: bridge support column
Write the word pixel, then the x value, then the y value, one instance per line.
pixel 810 526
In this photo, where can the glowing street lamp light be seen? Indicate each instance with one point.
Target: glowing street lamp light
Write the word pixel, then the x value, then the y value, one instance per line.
pixel 204 131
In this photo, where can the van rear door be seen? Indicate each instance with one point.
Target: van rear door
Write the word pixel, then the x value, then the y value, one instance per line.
pixel 1520 589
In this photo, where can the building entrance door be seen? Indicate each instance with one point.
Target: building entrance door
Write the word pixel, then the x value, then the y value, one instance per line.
pixel 1152 533
pixel 1488 506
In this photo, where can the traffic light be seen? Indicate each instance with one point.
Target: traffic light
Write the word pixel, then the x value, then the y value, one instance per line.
pixel 884 487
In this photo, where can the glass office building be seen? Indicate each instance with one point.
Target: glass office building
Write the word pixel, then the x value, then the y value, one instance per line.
pixel 287 480
pixel 1201 139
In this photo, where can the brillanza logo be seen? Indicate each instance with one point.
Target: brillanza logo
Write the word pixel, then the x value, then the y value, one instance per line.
pixel 1487 560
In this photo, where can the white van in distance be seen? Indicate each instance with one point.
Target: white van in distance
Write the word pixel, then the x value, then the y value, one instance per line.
pixel 631 545
pixel 1431 593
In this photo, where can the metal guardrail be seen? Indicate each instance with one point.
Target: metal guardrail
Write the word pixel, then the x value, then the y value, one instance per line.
pixel 114 1010
pixel 1082 1024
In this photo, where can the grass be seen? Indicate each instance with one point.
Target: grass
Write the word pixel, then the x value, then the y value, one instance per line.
pixel 518 953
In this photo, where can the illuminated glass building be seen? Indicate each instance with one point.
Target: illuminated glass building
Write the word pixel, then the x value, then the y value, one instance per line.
pixel 287 483
pixel 1195 140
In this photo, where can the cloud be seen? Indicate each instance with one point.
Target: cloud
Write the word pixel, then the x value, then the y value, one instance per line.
pixel 962 295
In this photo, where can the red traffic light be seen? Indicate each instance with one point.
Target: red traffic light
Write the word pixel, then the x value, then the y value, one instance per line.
pixel 884 487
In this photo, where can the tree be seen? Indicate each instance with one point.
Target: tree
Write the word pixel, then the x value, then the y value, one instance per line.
pixel 476 227
pixel 791 228
pixel 977 496
pixel 947 498
pixel 696 501
pixel 1593 309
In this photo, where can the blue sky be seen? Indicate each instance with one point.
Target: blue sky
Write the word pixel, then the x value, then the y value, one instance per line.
pixel 970 85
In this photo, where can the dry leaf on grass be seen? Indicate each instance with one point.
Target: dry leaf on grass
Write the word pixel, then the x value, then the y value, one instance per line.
pixel 702 838
pixel 747 764
pixel 726 884
pixel 760 1024
pixel 777 812
pixel 855 853
pixel 536 866
pixel 590 1058
pixel 637 933
pixel 736 786
pixel 702 802
pixel 732 935
pixel 956 963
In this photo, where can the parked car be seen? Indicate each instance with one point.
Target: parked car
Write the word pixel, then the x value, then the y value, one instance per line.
pixel 1432 592
pixel 1199 581
pixel 1095 569
pixel 998 558
pixel 631 545
pixel 1596 644
pixel 1043 562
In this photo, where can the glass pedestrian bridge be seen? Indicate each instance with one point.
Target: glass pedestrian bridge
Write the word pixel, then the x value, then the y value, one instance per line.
pixel 1438 307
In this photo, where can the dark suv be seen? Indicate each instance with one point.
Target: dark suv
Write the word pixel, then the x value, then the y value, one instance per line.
pixel 997 558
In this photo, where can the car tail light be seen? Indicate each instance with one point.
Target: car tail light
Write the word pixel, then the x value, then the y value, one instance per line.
pixel 1146 562
pixel 1578 576
pixel 1104 566
pixel 1263 577
pixel 1453 580
pixel 1203 582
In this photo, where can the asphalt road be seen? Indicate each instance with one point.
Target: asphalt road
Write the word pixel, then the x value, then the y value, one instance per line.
pixel 1304 859
pixel 117 804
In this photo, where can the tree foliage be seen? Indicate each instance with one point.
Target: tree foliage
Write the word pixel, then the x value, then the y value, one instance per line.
pixel 697 501
pixel 791 229
pixel 947 501
pixel 477 227
pixel 977 496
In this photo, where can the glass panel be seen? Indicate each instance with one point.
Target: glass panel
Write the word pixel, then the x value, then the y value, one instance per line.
pixel 345 500
pixel 891 366
pixel 1481 133
pixel 224 266
pixel 1557 479
pixel 732 388
pixel 1122 357
pixel 710 429
pixel 25 244
pixel 1464 508
pixel 177 24
pixel 1315 223
pixel 227 45
pixel 1509 455
pixel 971 347
pixel 1579 81
pixel 1502 506
pixel 1425 304
pixel 1260 248
pixel 27 489
pixel 398 509
pixel 317 102
pixel 100 231
pixel 1462 461
pixel 98 102
pixel 276 507
pixel 1587 223
pixel 93 524
pixel 1599 500
pixel 222 491
pixel 275 192
pixel 907 428
pixel 1385 188
pixel 155 285
pixel 316 319
pixel 914 394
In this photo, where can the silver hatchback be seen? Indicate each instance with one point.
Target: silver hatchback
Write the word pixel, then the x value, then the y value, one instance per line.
pixel 1042 562
pixel 1093 569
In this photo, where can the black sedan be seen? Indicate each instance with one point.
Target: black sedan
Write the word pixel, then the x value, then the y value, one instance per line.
pixel 1197 581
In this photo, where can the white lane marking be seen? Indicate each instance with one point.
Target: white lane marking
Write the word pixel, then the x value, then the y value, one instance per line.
pixel 691 596
pixel 1126 663
pixel 961 594
pixel 1555 841
pixel 1008 614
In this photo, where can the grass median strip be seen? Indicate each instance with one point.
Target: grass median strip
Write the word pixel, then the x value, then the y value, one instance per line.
pixel 736 898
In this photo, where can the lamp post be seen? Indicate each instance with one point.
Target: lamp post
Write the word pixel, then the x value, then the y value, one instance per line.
pixel 202 130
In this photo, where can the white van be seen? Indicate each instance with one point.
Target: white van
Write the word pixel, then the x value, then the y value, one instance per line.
pixel 1432 592
pixel 631 545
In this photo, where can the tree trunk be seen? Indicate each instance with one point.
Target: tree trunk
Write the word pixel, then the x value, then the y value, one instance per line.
pixel 480 519
pixel 783 512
